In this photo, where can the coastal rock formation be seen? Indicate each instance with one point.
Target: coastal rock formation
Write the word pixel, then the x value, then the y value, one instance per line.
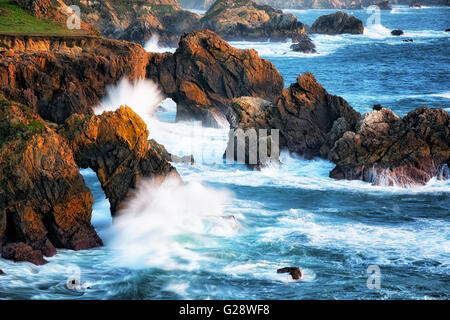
pixel 60 76
pixel 206 73
pixel 304 114
pixel 304 44
pixel 44 203
pixel 246 20
pixel 115 145
pixel 415 4
pixel 388 150
pixel 337 23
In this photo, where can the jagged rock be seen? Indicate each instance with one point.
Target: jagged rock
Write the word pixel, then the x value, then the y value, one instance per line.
pixel 388 150
pixel 295 272
pixel 246 20
pixel 304 114
pixel 206 73
pixel 337 23
pixel 397 32
pixel 384 5
pixel 303 44
pixel 115 145
pixel 60 76
pixel 44 202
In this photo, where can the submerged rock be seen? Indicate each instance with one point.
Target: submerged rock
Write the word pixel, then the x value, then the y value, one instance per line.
pixel 415 4
pixel 337 23
pixel 206 73
pixel 408 40
pixel 397 32
pixel 44 203
pixel 295 272
pixel 115 145
pixel 303 44
pixel 388 150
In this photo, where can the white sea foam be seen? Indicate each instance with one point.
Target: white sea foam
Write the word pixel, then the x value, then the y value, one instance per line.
pixel 163 225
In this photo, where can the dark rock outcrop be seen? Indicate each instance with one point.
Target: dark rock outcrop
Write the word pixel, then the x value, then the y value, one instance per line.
pixel 388 150
pixel 246 20
pixel 44 203
pixel 295 272
pixel 304 114
pixel 115 145
pixel 304 44
pixel 337 23
pixel 397 32
pixel 206 73
pixel 415 4
pixel 60 76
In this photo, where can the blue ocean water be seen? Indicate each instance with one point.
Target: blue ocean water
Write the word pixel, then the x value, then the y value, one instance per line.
pixel 224 234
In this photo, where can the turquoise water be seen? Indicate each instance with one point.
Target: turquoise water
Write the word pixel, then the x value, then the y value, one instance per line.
pixel 180 242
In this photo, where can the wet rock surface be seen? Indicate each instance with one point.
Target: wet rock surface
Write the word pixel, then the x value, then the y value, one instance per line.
pixel 337 23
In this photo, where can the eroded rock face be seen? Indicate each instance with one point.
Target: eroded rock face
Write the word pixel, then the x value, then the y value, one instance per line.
pixel 44 203
pixel 60 76
pixel 388 150
pixel 206 73
pixel 115 145
pixel 337 23
pixel 246 20
pixel 304 115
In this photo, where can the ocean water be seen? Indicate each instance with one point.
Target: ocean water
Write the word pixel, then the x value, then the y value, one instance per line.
pixel 225 232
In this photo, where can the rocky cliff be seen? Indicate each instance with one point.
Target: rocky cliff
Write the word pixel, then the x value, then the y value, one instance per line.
pixel 206 73
pixel 44 203
pixel 59 76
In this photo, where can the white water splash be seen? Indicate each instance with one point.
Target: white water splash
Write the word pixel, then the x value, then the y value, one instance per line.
pixel 377 31
pixel 142 95
pixel 152 45
pixel 163 225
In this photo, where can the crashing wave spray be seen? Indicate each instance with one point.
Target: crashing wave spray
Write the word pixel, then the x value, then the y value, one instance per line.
pixel 164 225
pixel 152 45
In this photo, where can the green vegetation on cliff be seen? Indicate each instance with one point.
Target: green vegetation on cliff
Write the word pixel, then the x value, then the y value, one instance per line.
pixel 15 20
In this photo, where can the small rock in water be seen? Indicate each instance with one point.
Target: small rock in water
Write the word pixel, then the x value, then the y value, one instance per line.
pixel 295 272
pixel 1 272
pixel 415 4
pixel 397 32
pixel 408 40
pixel 447 30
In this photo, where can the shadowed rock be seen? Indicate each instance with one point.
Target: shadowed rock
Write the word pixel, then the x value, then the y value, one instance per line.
pixel 115 145
pixel 397 32
pixel 303 44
